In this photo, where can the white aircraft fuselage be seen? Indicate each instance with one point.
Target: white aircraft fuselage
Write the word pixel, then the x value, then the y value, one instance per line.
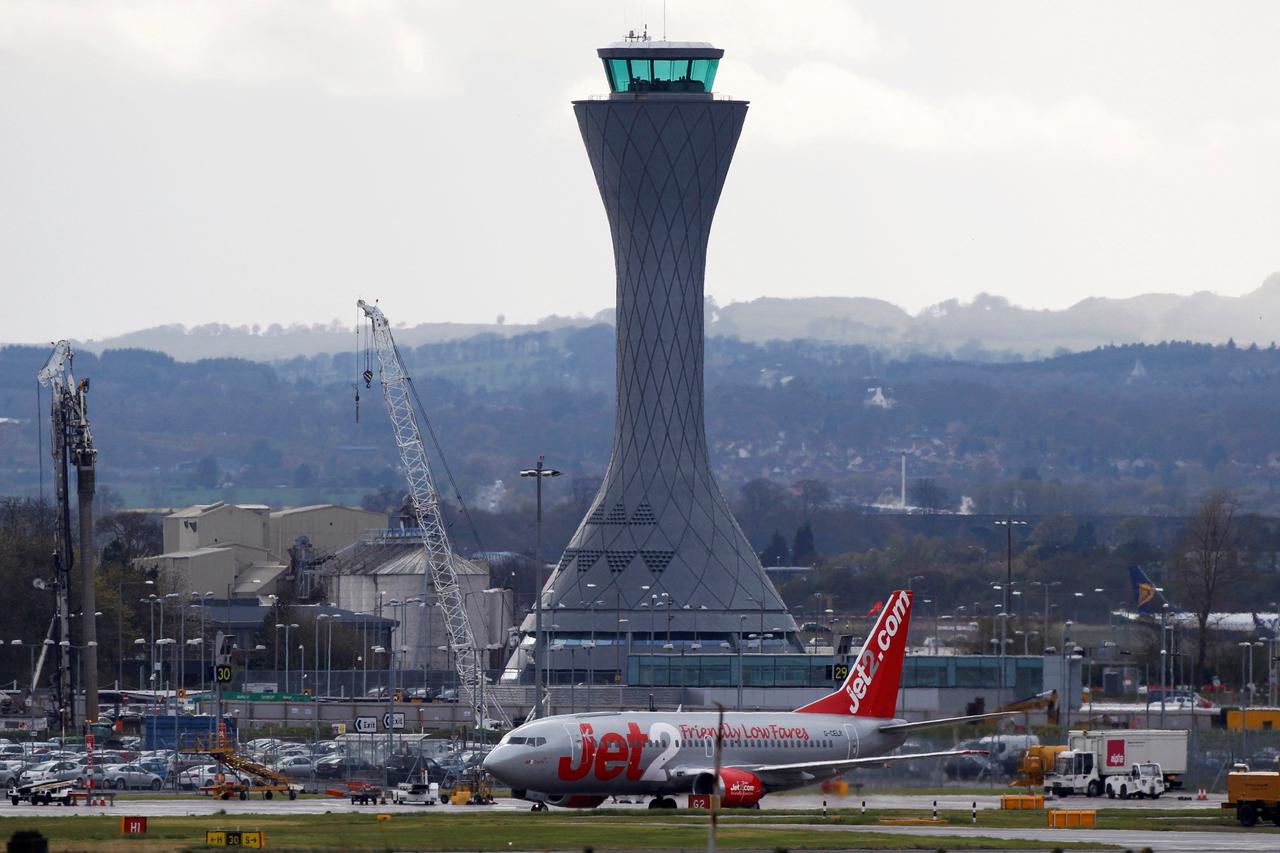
pixel 658 753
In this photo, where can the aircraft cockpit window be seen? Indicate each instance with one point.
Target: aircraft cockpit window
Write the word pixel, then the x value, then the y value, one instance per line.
pixel 517 740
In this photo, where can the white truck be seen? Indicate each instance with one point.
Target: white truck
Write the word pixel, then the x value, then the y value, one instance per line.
pixel 1092 756
pixel 1142 780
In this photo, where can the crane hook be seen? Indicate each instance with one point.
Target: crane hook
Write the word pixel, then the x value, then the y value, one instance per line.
pixel 368 378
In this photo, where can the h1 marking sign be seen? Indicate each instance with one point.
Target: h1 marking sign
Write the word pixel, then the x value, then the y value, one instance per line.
pixel 133 826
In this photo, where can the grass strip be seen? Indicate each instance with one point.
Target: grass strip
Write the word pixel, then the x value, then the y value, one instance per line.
pixel 480 831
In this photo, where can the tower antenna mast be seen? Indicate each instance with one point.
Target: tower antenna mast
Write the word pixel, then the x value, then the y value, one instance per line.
pixel 426 509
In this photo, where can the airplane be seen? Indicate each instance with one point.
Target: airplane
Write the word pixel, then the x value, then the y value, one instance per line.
pixel 1149 601
pixel 579 760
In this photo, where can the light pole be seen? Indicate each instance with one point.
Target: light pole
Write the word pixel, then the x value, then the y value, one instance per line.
pixel 142 652
pixel 286 626
pixel 538 472
pixel 591 646
pixel 1008 524
pixel 248 662
pixel 328 654
pixel 1164 659
pixel 742 626
pixel 150 601
pixel 164 641
pixel 315 685
pixel 1044 634
pixel 1244 707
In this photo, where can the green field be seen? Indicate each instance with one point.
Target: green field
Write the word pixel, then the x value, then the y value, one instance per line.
pixel 496 831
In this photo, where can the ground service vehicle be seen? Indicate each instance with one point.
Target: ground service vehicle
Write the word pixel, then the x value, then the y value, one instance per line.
pixel 1037 762
pixel 43 793
pixel 1254 794
pixel 417 792
pixel 580 760
pixel 1143 780
pixel 1092 756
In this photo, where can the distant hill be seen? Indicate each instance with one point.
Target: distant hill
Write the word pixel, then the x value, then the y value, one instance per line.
pixel 988 328
pixel 1131 428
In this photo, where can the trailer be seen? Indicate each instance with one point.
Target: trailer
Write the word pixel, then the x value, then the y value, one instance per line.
pixel 1092 756
pixel 43 793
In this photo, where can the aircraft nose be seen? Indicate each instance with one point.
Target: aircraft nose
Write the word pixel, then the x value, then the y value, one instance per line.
pixel 498 762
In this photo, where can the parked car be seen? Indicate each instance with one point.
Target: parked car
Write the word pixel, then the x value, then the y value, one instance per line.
pixel 200 776
pixel 122 776
pixel 10 772
pixel 295 765
pixel 331 767
pixel 51 771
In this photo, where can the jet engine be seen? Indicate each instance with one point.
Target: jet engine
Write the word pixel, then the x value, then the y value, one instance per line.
pixel 575 801
pixel 737 788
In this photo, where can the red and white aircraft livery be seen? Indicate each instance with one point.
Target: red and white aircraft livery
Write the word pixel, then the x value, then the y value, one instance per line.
pixel 579 760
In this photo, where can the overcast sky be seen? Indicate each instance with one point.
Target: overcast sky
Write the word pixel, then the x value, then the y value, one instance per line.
pixel 267 162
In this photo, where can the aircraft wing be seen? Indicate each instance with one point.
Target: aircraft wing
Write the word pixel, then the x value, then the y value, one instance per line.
pixel 946 721
pixel 849 763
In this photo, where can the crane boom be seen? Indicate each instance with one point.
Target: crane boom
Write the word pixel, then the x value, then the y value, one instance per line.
pixel 426 508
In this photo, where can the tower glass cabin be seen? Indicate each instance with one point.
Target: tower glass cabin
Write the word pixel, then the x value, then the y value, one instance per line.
pixel 658 564
pixel 642 67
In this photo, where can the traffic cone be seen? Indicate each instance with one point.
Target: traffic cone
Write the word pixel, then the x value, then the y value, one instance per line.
pixel 1201 794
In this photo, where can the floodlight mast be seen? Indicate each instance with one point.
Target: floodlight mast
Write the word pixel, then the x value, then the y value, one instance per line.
pixel 426 510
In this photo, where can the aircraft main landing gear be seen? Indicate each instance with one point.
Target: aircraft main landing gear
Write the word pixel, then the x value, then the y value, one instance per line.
pixel 538 807
pixel 662 803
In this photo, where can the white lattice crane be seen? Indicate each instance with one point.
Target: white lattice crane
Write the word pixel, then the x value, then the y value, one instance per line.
pixel 426 508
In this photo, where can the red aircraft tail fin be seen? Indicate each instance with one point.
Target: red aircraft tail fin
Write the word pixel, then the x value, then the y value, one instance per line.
pixel 871 688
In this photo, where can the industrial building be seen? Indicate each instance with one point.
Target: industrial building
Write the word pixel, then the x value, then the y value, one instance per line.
pixel 385 572
pixel 238 550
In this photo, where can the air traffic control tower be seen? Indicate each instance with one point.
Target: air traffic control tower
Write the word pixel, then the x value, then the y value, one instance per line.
pixel 658 565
